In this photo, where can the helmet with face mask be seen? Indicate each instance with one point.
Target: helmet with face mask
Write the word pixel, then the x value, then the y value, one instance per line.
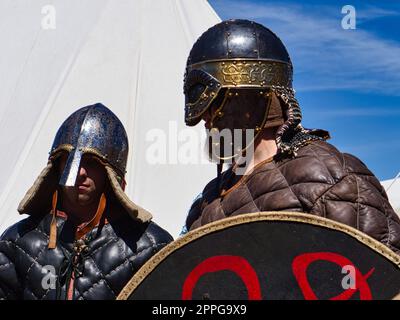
pixel 92 130
pixel 234 71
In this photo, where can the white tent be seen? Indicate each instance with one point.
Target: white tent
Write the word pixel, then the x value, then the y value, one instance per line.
pixel 58 55
pixel 392 187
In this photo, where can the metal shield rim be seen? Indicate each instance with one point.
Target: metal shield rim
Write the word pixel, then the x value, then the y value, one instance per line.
pixel 219 225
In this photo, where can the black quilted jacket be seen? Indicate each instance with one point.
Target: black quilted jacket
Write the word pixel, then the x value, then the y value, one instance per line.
pixel 113 253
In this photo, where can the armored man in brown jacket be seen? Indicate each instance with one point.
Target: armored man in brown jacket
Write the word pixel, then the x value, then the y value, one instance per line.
pixel 239 76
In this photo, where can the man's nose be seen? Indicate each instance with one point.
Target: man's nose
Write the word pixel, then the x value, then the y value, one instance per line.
pixel 82 171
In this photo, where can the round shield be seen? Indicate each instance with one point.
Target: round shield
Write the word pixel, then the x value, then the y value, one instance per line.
pixel 269 256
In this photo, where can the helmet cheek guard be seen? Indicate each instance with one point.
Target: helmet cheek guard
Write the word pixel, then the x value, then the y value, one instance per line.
pixel 200 90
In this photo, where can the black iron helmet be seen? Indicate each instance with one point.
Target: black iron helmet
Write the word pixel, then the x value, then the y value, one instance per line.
pixel 233 54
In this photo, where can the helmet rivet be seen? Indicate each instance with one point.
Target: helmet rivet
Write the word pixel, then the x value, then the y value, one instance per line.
pixel 261 93
pixel 236 94
pixel 230 94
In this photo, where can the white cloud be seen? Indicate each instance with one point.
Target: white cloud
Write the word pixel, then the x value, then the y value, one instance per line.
pixel 325 56
pixel 356 112
pixel 373 12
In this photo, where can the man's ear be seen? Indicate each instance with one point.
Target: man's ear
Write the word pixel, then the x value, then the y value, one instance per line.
pixel 121 182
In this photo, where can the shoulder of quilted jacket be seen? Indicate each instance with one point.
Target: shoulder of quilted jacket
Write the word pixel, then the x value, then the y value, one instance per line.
pixel 320 159
pixel 340 164
pixel 145 240
pixel 20 228
pixel 322 156
pixel 360 193
pixel 142 235
pixel 317 167
pixel 156 235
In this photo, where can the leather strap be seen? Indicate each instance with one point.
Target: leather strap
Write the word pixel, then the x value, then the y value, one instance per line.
pixel 53 224
pixel 86 227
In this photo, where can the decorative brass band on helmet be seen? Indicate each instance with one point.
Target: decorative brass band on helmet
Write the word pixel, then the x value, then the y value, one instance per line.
pixel 248 73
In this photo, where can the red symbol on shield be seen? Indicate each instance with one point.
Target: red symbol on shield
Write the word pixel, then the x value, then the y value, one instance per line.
pixel 301 263
pixel 236 264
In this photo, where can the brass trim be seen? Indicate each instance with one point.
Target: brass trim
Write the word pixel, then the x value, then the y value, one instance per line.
pixel 202 97
pixel 94 151
pixel 238 59
pixel 218 112
pixel 151 264
pixel 62 147
pixel 202 103
pixel 247 73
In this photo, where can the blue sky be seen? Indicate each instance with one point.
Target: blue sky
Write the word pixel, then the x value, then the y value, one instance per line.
pixel 347 81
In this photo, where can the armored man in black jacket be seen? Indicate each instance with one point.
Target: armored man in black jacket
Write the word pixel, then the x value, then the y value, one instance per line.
pixel 84 238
